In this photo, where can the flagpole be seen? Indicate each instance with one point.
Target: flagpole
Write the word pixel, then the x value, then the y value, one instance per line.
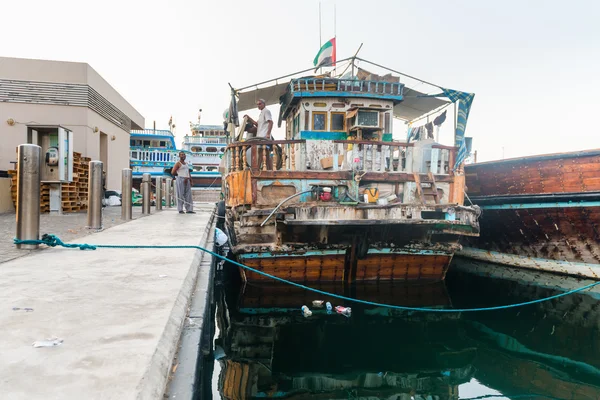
pixel 320 40
pixel 335 34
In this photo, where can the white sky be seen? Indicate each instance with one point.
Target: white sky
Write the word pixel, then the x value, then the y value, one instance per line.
pixel 533 65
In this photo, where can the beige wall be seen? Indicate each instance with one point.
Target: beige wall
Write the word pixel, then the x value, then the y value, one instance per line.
pixel 80 120
pixel 110 94
pixel 73 118
pixel 118 149
pixel 6 204
pixel 67 72
pixel 42 70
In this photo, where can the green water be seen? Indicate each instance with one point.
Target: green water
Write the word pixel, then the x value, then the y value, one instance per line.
pixel 265 348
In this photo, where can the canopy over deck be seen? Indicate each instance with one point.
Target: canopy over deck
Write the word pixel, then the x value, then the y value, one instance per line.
pixel 414 104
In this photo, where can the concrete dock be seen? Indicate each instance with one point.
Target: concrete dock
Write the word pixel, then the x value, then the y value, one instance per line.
pixel 119 312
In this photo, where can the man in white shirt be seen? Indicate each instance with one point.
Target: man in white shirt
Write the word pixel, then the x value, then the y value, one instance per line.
pixel 264 125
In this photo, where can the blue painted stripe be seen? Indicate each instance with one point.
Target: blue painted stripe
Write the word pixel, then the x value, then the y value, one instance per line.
pixel 361 95
pixel 340 252
pixel 194 174
pixel 560 204
pixel 323 135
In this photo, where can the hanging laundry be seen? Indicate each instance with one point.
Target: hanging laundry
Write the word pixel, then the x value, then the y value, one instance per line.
pixel 440 119
pixel 415 133
pixel 429 127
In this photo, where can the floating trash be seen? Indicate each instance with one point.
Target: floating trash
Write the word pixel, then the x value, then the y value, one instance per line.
pixel 329 308
pixel 345 311
pixel 318 303
pixel 306 312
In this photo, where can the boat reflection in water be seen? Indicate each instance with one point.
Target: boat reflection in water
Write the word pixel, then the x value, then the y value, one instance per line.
pixel 551 349
pixel 267 349
pixel 273 351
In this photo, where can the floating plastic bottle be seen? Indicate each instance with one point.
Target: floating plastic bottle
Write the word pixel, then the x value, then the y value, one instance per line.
pixel 329 308
pixel 306 312
pixel 345 311
pixel 318 303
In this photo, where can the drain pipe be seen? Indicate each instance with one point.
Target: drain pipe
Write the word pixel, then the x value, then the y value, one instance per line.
pixel 280 204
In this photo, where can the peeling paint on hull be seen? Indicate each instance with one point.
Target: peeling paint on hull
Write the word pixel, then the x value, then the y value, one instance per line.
pixel 583 270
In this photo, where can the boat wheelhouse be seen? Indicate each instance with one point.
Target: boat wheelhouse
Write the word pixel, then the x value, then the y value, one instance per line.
pixel 205 146
pixel 339 199
pixel 152 151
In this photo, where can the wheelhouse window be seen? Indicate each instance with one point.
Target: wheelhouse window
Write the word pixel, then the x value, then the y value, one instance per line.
pixel 338 121
pixel 319 121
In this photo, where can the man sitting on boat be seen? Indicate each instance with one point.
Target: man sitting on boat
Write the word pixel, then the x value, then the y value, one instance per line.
pixel 260 129
pixel 264 126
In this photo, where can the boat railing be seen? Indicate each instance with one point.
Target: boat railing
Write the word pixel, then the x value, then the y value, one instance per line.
pixel 346 85
pixel 204 140
pixel 161 132
pixel 390 157
pixel 266 155
pixel 153 155
pixel 346 155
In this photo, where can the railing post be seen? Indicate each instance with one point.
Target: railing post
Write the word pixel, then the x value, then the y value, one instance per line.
pixel 159 194
pixel 126 184
pixel 94 214
pixel 264 157
pixel 168 188
pixel 146 201
pixel 28 194
pixel 293 157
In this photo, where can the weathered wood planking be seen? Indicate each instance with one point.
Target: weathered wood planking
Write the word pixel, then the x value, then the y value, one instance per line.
pixel 561 233
pixel 574 172
pixel 330 268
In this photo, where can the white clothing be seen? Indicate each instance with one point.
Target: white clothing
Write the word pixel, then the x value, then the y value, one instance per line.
pixel 184 170
pixel 263 123
pixel 184 195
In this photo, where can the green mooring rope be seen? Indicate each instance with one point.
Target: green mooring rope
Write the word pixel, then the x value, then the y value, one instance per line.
pixel 53 241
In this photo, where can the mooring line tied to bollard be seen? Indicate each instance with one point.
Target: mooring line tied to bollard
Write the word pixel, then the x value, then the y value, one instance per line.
pixel 54 241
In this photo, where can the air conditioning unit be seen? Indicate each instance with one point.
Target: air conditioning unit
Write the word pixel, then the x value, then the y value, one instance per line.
pixel 365 119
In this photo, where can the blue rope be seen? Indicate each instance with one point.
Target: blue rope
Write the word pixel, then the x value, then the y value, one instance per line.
pixel 53 241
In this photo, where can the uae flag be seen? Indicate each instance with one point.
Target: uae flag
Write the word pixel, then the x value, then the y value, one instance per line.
pixel 326 56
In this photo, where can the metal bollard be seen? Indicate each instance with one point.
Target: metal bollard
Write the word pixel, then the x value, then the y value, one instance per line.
pixel 159 193
pixel 95 194
pixel 28 194
pixel 126 185
pixel 175 193
pixel 146 193
pixel 168 191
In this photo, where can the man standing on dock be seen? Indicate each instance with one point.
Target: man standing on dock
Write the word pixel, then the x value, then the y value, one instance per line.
pixel 181 169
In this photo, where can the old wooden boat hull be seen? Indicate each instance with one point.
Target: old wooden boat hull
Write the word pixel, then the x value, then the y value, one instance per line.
pixel 540 213
pixel 377 265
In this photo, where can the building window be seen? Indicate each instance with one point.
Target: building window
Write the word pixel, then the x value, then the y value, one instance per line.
pixel 319 121
pixel 132 142
pixel 146 143
pixel 338 121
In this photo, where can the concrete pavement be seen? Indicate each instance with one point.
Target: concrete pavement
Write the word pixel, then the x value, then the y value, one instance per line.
pixel 119 312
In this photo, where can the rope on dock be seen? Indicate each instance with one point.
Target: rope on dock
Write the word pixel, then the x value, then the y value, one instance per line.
pixel 53 241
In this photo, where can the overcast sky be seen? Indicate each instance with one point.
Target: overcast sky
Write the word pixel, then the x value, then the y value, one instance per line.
pixel 533 65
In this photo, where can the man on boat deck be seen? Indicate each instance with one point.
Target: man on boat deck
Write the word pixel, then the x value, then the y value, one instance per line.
pixel 264 126
pixel 181 169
